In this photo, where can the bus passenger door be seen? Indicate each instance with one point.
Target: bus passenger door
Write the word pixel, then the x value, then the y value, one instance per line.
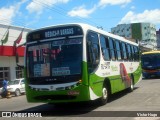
pixel 93 59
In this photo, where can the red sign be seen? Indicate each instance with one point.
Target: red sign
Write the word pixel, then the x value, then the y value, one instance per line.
pixel 10 51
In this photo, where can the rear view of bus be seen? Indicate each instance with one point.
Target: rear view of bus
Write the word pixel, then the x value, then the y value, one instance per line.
pixel 151 64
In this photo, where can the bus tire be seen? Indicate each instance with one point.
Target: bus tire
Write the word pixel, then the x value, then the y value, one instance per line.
pixel 131 88
pixel 105 95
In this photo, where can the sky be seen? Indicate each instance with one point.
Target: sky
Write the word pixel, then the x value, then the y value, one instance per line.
pixel 104 14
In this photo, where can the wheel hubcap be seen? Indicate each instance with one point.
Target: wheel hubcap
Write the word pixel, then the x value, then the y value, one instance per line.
pixel 104 93
pixel 131 84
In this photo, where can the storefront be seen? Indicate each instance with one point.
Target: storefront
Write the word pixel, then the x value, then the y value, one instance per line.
pixel 10 38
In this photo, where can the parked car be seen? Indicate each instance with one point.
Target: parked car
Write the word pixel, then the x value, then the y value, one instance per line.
pixel 16 87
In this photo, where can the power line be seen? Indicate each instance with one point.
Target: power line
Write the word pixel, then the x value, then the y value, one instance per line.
pixel 7 22
pixel 61 11
pixel 56 9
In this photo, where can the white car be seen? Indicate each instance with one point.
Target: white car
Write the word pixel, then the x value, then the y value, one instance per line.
pixel 16 87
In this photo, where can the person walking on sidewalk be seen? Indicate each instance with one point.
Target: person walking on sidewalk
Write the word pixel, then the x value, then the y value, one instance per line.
pixel 5 84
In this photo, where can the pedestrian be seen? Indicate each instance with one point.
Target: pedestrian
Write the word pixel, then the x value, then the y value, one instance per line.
pixel 5 84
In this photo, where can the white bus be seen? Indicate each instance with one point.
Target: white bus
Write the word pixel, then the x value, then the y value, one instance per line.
pixel 78 62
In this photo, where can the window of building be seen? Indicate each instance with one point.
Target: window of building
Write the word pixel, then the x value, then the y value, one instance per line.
pixel 4 73
pixel 19 72
pixel 146 34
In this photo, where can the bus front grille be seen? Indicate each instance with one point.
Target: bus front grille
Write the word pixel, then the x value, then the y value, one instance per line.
pixel 55 97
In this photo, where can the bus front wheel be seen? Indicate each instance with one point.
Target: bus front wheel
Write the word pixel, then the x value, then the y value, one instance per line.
pixel 105 95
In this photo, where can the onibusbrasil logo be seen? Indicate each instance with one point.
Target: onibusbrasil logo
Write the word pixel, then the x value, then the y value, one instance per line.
pixel 23 114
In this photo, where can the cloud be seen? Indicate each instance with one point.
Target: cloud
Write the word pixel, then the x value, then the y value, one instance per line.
pixel 103 3
pixel 8 13
pixel 151 16
pixel 132 7
pixel 37 6
pixel 81 11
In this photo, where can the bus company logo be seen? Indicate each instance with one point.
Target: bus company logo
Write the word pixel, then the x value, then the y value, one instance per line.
pixel 73 92
pixel 6 114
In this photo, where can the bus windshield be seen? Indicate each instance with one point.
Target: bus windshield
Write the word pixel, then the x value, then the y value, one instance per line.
pixel 55 58
pixel 150 60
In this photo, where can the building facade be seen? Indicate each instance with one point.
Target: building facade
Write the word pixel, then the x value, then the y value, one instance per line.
pixel 143 32
pixel 8 67
pixel 158 39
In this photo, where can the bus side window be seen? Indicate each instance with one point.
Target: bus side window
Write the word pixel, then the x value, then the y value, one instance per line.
pixel 129 52
pixel 111 47
pixel 93 54
pixel 104 47
pixel 132 52
pixel 136 53
pixel 118 51
pixel 124 52
pixel 114 48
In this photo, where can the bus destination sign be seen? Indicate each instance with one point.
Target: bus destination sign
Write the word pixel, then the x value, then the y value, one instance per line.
pixel 61 32
pixel 54 33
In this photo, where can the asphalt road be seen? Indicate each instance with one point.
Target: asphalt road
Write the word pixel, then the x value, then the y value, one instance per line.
pixel 141 104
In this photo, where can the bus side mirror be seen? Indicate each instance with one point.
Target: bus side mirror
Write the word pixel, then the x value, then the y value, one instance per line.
pixel 17 61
